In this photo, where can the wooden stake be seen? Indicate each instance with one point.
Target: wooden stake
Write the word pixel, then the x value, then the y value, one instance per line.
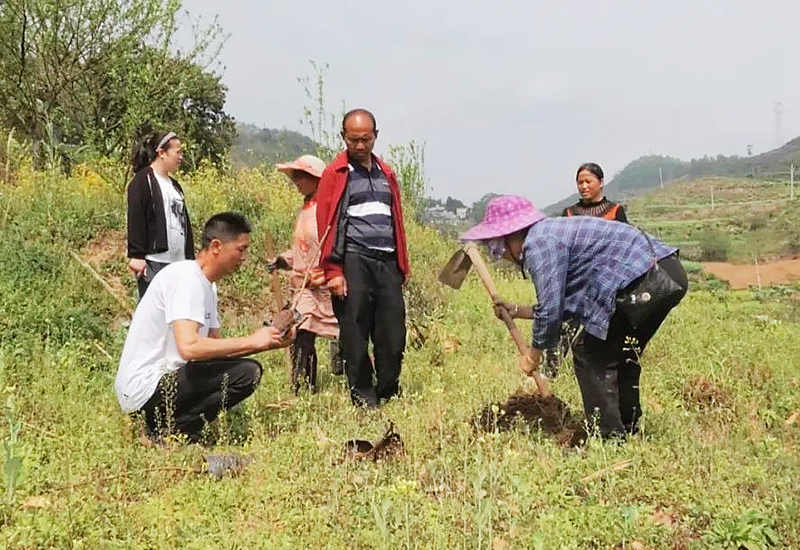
pixel 758 273
pixel 277 293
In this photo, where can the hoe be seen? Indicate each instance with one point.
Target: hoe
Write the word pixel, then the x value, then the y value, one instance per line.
pixel 453 275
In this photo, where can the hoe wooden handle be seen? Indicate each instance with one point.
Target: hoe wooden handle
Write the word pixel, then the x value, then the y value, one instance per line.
pixel 472 251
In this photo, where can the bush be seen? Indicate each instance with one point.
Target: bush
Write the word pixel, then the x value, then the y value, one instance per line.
pixel 714 245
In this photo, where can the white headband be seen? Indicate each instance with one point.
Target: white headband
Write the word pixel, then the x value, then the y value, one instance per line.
pixel 165 140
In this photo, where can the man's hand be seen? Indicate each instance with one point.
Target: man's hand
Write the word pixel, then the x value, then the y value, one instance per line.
pixel 289 337
pixel 277 263
pixel 138 266
pixel 266 338
pixel 338 286
pixel 529 362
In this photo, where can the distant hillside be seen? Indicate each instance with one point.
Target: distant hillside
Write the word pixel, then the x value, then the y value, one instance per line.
pixel 722 218
pixel 255 146
pixel 642 174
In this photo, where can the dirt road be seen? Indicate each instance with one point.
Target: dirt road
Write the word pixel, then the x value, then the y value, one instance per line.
pixel 745 275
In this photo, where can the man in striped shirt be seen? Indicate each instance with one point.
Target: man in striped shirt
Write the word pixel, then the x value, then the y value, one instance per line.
pixel 364 256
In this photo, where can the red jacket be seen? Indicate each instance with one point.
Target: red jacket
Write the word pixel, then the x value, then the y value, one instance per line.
pixel 329 196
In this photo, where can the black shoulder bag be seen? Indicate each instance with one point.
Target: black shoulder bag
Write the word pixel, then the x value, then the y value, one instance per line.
pixel 649 294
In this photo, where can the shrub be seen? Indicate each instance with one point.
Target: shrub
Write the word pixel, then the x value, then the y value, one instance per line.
pixel 714 245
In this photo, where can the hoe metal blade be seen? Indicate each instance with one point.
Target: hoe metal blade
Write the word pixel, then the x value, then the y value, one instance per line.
pixel 455 270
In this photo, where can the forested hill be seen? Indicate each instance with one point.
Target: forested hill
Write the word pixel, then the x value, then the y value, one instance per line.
pixel 642 174
pixel 254 146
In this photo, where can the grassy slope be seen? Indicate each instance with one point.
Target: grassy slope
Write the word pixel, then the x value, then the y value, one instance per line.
pixel 720 380
pixel 765 226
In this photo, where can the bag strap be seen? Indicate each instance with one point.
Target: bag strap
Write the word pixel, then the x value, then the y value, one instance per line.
pixel 650 244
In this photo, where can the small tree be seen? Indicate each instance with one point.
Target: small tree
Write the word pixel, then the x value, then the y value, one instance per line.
pixel 714 245
pixel 478 208
pixel 323 125
pixel 408 162
pixel 98 73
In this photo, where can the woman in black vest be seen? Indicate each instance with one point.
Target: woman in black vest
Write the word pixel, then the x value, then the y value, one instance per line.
pixel 159 230
pixel 592 202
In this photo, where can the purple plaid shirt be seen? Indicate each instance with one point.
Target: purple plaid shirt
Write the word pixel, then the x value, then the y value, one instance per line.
pixel 577 265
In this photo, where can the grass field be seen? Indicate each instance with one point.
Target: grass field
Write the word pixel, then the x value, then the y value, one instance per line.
pixel 716 465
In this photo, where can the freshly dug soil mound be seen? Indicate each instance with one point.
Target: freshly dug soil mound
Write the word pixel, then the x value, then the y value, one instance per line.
pixel 548 414
pixel 389 446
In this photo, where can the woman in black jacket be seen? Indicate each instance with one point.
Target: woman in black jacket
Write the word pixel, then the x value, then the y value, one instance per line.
pixel 159 230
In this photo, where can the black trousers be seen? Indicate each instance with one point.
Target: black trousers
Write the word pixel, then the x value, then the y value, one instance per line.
pixel 608 370
pixel 144 281
pixel 374 309
pixel 195 394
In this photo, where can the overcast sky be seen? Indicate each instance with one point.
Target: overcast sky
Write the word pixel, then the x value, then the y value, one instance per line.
pixel 512 96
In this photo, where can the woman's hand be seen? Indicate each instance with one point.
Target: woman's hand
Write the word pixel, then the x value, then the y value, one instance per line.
pixel 138 266
pixel 511 309
pixel 277 263
pixel 316 278
pixel 515 311
pixel 529 362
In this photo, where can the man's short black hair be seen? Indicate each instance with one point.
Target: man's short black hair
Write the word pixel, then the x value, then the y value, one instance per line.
pixel 226 227
pixel 353 112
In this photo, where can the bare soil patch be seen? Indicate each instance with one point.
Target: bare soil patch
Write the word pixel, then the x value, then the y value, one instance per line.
pixel 106 255
pixel 548 414
pixel 107 247
pixel 387 447
pixel 746 275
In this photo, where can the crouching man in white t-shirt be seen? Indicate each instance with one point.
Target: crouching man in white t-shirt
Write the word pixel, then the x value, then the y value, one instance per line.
pixel 175 368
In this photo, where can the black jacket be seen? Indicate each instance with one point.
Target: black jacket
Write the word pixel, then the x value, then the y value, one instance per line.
pixel 147 225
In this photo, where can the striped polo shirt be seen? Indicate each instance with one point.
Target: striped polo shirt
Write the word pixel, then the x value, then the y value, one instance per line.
pixel 369 208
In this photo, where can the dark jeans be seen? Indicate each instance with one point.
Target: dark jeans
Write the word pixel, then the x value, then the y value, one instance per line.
pixel 144 281
pixel 373 309
pixel 195 394
pixel 608 370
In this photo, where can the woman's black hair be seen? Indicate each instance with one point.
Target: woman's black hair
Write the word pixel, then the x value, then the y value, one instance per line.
pixel 590 167
pixel 145 151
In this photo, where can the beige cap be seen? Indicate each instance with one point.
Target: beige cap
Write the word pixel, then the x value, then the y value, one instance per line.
pixel 307 163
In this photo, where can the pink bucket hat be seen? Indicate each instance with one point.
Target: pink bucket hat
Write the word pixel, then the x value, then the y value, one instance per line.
pixel 307 163
pixel 504 215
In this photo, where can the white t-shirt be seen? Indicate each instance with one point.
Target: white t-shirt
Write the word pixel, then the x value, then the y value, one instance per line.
pixel 179 291
pixel 176 223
